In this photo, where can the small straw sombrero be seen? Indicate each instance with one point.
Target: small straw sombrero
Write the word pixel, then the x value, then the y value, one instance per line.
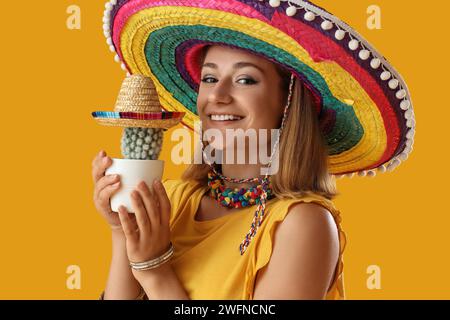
pixel 364 106
pixel 138 105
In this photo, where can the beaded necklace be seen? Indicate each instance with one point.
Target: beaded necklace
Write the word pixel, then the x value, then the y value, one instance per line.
pixel 215 180
pixel 237 197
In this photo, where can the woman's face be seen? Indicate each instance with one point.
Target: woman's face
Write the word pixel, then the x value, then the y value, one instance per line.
pixel 239 84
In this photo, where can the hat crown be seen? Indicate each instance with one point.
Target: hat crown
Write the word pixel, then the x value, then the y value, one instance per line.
pixel 137 94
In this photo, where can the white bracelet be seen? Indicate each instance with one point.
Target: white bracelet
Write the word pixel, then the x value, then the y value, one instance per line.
pixel 154 263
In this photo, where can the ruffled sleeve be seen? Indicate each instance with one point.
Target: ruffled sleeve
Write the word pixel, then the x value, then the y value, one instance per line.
pixel 178 192
pixel 264 246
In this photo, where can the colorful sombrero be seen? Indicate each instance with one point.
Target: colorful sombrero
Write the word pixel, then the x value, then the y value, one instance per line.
pixel 137 105
pixel 364 106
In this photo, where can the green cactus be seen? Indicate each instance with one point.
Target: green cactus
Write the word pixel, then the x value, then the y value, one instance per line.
pixel 142 143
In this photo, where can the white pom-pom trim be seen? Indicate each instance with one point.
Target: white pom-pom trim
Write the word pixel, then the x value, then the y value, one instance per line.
pixel 405 104
pixel 385 75
pixel 410 142
pixel 364 54
pixel 401 94
pixel 403 156
pixel 353 44
pixel 408 114
pixel 350 175
pixel 309 16
pixel 291 11
pixel 393 164
pixel 387 167
pixel 371 173
pixel 274 3
pixel 411 123
pixel 375 63
pixel 410 134
pixel 367 173
pixel 326 25
pixel 393 84
pixel 339 34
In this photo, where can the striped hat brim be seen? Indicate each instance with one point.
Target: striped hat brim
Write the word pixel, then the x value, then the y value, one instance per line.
pixel 163 120
pixel 364 105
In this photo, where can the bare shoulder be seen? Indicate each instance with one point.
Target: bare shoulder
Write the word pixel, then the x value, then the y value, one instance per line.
pixel 304 255
pixel 311 219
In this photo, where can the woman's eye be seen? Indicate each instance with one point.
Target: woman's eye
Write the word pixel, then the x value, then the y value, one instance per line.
pixel 251 81
pixel 205 79
pixel 248 80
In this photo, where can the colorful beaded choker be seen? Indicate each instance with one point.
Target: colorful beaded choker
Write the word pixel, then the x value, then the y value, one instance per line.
pixel 237 197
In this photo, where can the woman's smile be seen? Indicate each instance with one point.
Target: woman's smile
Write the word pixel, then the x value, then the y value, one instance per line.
pixel 216 119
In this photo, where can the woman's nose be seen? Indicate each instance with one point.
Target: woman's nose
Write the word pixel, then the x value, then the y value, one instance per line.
pixel 220 93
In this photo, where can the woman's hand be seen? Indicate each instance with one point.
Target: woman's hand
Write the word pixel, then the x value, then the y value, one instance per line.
pixel 105 187
pixel 148 236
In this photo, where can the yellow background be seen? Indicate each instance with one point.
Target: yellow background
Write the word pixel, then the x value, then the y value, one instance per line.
pixel 53 78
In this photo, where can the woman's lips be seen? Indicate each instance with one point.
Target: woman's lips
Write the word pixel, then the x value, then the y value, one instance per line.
pixel 224 122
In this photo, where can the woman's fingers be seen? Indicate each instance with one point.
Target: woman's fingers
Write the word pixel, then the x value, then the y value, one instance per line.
pixel 104 190
pixel 163 200
pixel 98 157
pixel 96 164
pixel 106 181
pixel 142 219
pixel 151 204
pixel 128 225
pixel 106 194
pixel 99 167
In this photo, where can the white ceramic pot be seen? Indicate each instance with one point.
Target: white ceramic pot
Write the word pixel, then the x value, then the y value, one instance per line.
pixel 132 172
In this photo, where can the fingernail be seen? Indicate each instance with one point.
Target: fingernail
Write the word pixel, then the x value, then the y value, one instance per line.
pixel 157 183
pixel 116 184
pixel 105 160
pixel 102 153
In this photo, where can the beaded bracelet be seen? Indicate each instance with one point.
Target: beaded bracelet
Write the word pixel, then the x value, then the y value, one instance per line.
pixel 154 263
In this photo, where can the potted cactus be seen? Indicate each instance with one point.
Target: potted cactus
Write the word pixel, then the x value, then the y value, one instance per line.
pixel 138 111
pixel 142 143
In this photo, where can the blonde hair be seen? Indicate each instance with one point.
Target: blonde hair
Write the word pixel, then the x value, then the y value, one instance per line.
pixel 303 160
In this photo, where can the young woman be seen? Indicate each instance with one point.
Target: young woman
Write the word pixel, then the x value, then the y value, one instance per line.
pixel 230 231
